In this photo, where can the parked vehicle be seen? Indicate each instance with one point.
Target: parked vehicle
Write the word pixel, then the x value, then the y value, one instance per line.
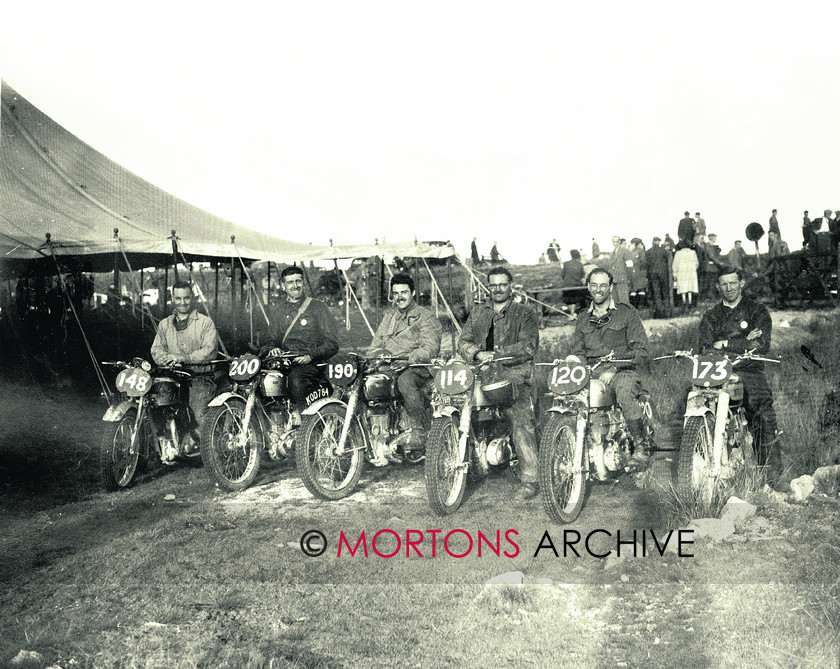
pixel 364 421
pixel 470 430
pixel 585 436
pixel 717 439
pixel 254 415
pixel 151 418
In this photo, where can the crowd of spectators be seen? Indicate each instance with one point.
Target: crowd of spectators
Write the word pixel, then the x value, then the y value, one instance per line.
pixel 643 276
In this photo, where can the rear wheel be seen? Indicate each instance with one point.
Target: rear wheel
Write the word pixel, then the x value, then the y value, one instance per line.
pixel 562 479
pixel 446 473
pixel 696 459
pixel 233 463
pixel 325 472
pixel 118 457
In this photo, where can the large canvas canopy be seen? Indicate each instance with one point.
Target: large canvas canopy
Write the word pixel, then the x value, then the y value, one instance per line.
pixel 53 183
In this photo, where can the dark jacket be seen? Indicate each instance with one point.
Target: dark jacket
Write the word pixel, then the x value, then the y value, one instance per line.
pixel 721 322
pixel 572 273
pixel 685 230
pixel 656 258
pixel 623 333
pixel 515 333
pixel 314 334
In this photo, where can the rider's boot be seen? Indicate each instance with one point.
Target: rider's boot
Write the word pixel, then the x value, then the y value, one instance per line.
pixel 641 449
pixel 417 436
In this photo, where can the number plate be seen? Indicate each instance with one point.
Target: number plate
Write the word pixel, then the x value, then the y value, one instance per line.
pixel 244 368
pixel 454 378
pixel 342 370
pixel 568 377
pixel 710 372
pixel 134 382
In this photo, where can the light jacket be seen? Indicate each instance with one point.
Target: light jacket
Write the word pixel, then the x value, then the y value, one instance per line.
pixel 415 334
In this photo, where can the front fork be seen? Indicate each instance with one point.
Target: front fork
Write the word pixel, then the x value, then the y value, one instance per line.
pixel 580 449
pixel 246 419
pixel 352 402
pixel 721 414
pixel 141 405
pixel 464 432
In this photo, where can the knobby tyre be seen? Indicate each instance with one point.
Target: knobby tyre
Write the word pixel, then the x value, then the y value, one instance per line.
pixel 696 459
pixel 562 480
pixel 446 475
pixel 324 472
pixel 117 459
pixel 233 465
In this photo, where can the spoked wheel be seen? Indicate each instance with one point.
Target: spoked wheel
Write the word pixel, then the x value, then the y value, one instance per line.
pixel 562 480
pixel 118 458
pixel 324 472
pixel 696 459
pixel 446 473
pixel 233 463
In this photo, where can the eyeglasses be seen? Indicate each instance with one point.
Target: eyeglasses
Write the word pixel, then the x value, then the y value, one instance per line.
pixel 599 286
pixel 499 286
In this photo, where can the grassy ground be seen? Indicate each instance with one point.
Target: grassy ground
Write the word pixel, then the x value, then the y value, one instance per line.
pixel 213 579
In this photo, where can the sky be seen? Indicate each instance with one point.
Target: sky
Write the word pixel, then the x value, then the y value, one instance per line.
pixel 513 123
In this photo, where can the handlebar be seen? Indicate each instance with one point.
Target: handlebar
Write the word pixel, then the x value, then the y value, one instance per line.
pixel 746 355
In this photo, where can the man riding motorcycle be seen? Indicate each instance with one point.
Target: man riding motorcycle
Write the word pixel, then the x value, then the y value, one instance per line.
pixel 188 337
pixel 505 328
pixel 609 326
pixel 306 326
pixel 735 325
pixel 411 331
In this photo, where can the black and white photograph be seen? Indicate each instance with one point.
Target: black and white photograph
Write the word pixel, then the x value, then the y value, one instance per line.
pixel 419 335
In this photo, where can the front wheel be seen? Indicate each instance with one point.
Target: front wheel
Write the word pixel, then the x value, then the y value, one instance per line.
pixel 695 478
pixel 118 457
pixel 326 473
pixel 562 478
pixel 233 462
pixel 446 472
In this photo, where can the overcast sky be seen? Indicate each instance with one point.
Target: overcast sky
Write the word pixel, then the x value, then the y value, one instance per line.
pixel 510 122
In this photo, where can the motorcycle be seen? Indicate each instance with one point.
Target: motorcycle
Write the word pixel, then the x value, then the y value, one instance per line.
pixel 253 416
pixel 365 420
pixel 151 418
pixel 470 431
pixel 717 439
pixel 585 436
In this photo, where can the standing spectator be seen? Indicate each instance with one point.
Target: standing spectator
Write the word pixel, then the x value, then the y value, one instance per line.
pixel 685 273
pixel 668 243
pixel 735 257
pixel 494 254
pixel 619 265
pixel 573 276
pixel 774 225
pixel 474 254
pixel 806 229
pixel 709 268
pixel 656 259
pixel 685 231
pixel 553 251
pixel 699 225
pixel 638 280
pixel 776 247
pixel 596 250
pixel 822 231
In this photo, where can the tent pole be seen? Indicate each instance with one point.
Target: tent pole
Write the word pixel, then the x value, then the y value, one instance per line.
pixel 449 275
pixel 378 288
pixel 175 255
pixel 163 313
pixel 233 301
pixel 118 310
pixel 268 284
pixel 142 313
pixel 216 287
